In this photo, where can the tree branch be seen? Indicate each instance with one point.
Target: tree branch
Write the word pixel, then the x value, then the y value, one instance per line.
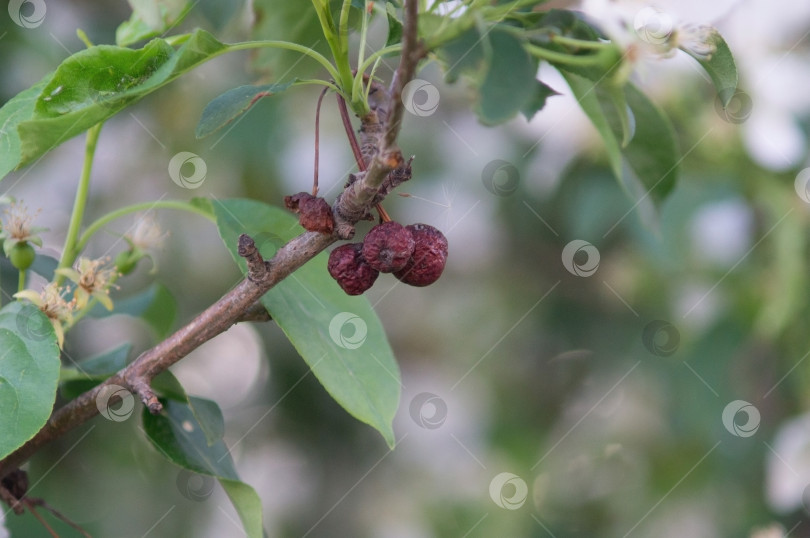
pixel 355 201
pixel 382 123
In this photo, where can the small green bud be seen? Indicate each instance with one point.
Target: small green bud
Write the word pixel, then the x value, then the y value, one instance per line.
pixel 126 261
pixel 22 255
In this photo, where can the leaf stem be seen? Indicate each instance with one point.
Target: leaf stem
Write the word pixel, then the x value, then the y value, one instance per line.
pixel 579 43
pixel 561 58
pixel 342 72
pixel 134 208
pixel 317 56
pixel 363 36
pixel 70 249
pixel 361 68
pixel 317 141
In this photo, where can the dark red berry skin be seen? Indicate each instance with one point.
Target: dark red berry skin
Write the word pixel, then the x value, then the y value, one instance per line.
pixel 429 256
pixel 388 247
pixel 349 268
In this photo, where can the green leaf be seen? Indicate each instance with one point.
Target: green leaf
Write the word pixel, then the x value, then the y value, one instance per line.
pixel 44 266
pixel 88 373
pixel 210 418
pixel 166 384
pixel 19 109
pixel 318 317
pixel 203 203
pixel 233 103
pixel 464 55
pixel 150 18
pixel 498 65
pixel 394 26
pixel 652 153
pixel 721 67
pixel 585 92
pixel 29 373
pixel 104 364
pixel 91 86
pixel 178 434
pixel 621 112
pixel 509 82
pixel 207 412
pixel 287 21
pixel 155 305
pixel 538 100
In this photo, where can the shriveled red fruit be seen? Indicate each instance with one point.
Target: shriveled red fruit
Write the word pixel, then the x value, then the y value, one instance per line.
pixel 314 213
pixel 349 268
pixel 426 264
pixel 388 247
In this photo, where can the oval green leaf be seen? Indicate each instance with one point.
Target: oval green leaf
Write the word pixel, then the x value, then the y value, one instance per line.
pixel 340 337
pixel 150 18
pixel 233 103
pixel 89 87
pixel 652 152
pixel 155 305
pixel 29 373
pixel 178 433
pixel 720 66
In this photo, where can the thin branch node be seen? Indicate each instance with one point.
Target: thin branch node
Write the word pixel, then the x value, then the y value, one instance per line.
pixel 141 387
pixel 256 267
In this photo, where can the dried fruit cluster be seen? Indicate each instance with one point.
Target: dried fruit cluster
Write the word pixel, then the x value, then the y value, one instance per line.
pixel 415 254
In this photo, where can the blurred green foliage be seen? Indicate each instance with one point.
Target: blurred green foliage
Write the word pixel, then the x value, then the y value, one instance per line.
pixel 545 374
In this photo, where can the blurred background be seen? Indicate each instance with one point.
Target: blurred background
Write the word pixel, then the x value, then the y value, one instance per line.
pixel 580 370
